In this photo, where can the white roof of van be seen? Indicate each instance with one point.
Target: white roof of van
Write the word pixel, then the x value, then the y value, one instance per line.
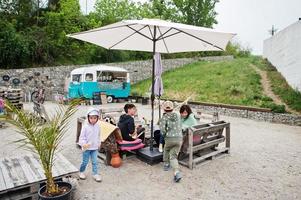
pixel 81 70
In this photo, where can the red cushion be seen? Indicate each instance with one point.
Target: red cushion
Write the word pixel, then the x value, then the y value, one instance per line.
pixel 122 142
pixel 130 148
pixel 196 139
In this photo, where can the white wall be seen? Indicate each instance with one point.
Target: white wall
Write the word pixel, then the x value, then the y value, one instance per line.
pixel 283 50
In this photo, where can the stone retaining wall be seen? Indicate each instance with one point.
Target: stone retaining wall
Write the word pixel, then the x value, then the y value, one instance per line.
pixel 281 118
pixel 258 114
pixel 54 78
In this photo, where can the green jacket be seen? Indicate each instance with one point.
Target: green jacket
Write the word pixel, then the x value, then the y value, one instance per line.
pixel 170 125
pixel 189 122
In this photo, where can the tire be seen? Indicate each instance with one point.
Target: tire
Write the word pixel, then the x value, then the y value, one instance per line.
pixel 34 96
pixel 110 99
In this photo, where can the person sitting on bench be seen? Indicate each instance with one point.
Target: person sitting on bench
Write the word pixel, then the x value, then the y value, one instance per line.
pixel 126 124
pixel 188 120
pixel 187 117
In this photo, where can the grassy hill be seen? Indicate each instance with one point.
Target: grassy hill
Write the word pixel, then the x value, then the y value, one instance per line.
pixel 280 87
pixel 229 82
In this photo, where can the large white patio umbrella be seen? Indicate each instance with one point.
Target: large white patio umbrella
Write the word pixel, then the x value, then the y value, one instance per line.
pixel 153 35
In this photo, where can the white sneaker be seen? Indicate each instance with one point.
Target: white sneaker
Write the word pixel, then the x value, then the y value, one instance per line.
pixel 160 148
pixel 97 178
pixel 82 175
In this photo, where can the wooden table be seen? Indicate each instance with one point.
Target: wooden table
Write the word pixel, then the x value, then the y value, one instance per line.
pixel 22 176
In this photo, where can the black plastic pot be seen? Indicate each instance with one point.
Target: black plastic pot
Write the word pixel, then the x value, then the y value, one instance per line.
pixel 66 196
pixel 144 100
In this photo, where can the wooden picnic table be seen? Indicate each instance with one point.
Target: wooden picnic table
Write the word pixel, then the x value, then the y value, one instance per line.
pixel 24 172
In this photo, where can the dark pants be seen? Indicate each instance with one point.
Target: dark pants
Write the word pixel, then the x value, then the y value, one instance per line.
pixel 158 137
pixel 142 136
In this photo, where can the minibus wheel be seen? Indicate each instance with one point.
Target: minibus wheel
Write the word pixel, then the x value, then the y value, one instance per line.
pixel 110 99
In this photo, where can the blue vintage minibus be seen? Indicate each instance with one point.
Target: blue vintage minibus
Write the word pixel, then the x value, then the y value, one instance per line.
pixel 86 81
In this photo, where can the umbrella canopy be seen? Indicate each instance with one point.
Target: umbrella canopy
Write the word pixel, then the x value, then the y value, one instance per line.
pixel 153 35
pixel 139 35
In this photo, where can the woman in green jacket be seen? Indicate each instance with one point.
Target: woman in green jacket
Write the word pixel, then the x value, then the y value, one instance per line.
pixel 187 117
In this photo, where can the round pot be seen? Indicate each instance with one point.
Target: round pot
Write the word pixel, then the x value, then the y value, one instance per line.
pixel 144 101
pixel 65 196
pixel 116 160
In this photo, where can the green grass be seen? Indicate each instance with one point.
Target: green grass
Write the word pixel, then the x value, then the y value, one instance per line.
pixel 229 82
pixel 280 87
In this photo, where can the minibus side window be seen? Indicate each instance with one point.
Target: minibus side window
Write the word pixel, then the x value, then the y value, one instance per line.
pixel 89 77
pixel 76 77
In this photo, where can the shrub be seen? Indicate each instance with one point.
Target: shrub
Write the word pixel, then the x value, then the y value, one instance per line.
pixel 274 107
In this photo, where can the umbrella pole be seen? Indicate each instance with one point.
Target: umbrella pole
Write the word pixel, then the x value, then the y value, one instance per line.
pixel 152 95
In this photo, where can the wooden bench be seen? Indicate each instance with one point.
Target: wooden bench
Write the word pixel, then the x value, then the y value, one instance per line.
pixel 22 176
pixel 200 142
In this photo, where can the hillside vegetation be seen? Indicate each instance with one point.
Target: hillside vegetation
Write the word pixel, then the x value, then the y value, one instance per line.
pixel 229 82
pixel 280 87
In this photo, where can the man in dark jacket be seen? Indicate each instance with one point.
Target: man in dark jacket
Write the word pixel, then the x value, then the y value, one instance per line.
pixel 126 124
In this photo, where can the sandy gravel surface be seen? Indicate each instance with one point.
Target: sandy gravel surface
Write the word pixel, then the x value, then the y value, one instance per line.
pixel 265 163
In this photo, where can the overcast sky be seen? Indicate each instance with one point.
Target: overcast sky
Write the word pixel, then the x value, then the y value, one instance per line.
pixel 250 19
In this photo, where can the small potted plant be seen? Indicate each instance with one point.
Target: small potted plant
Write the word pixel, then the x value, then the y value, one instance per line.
pixel 134 96
pixel 44 140
pixel 115 157
pixel 145 98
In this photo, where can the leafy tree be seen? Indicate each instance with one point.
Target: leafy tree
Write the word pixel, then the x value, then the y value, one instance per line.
pixel 237 50
pixel 13 46
pixel 53 5
pixel 7 7
pixel 165 9
pixel 110 11
pixel 33 32
pixel 197 12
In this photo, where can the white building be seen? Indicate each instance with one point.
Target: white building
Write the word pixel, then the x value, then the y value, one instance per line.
pixel 283 50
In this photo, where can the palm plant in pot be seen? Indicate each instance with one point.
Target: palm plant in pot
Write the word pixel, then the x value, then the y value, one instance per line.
pixel 44 140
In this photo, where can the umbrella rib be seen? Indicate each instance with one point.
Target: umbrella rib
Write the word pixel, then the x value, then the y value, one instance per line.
pixel 199 39
pixel 141 33
pixel 163 39
pixel 127 36
pixel 101 29
pixel 162 35
pixel 150 31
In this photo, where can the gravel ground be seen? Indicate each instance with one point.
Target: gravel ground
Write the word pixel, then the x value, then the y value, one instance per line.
pixel 264 164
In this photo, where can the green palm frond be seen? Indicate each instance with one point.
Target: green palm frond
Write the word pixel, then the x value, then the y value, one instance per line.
pixel 43 139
